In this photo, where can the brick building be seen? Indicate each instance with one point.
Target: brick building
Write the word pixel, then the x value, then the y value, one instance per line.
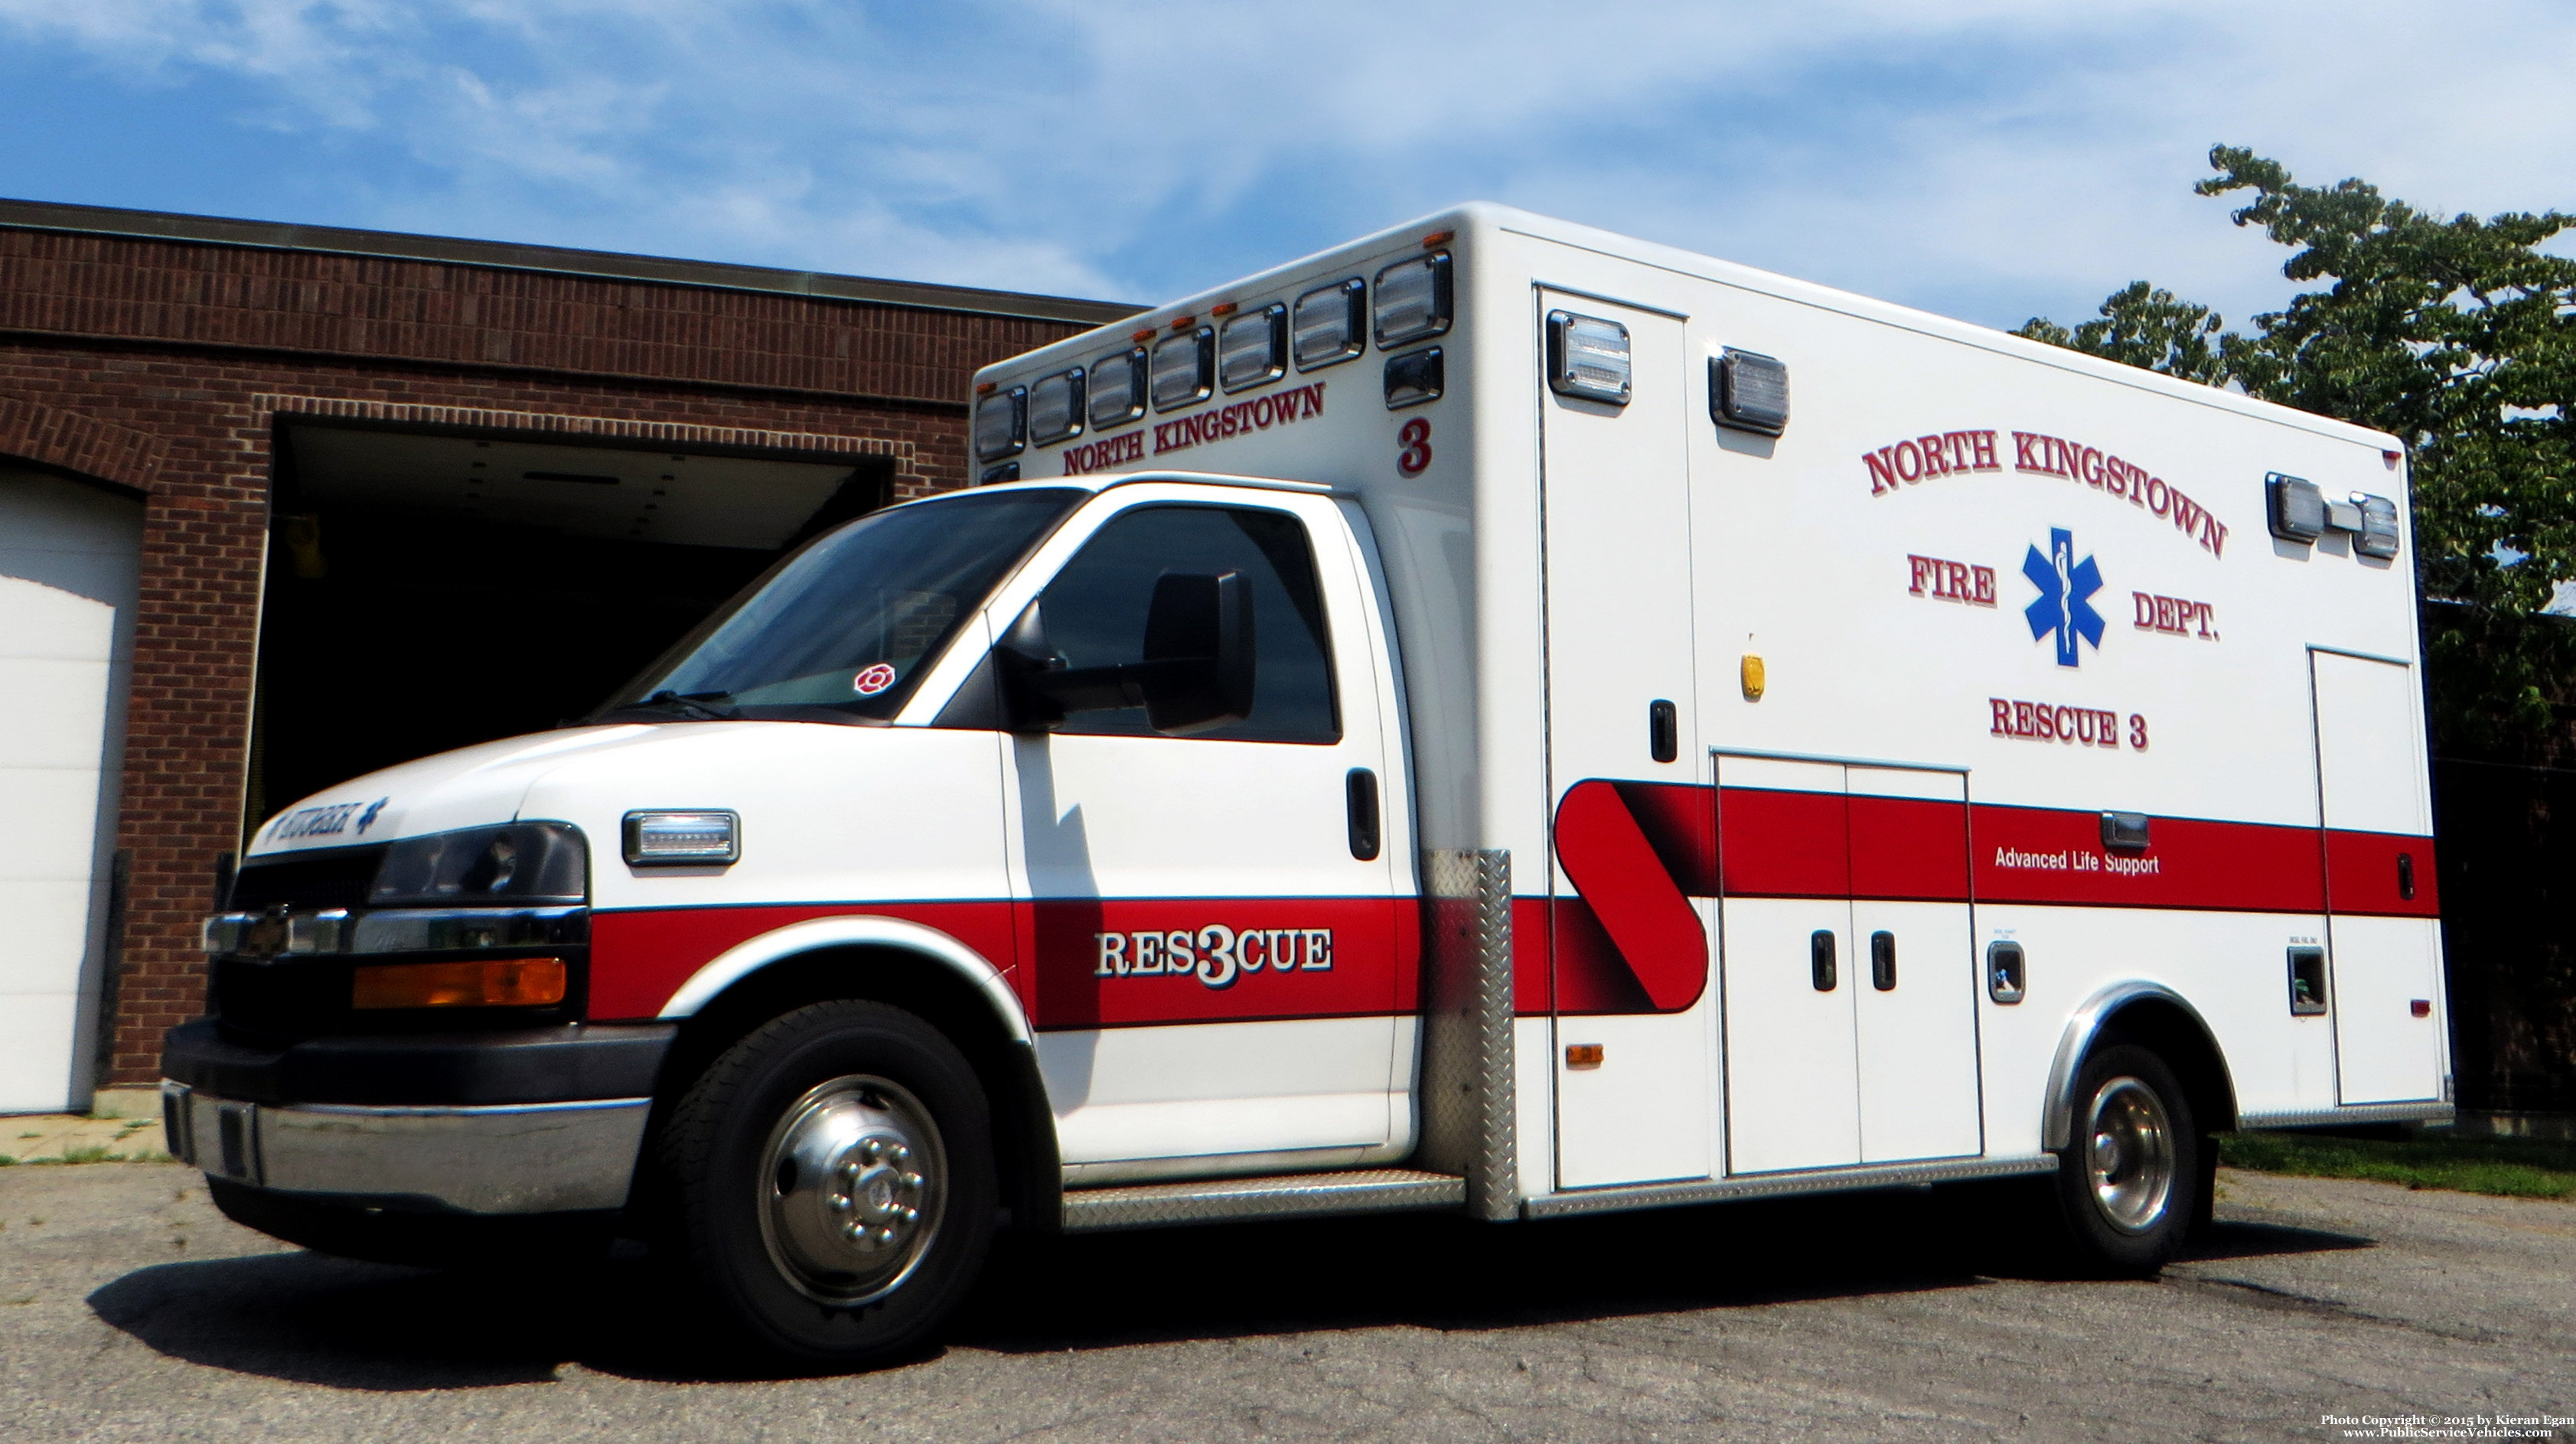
pixel 281 504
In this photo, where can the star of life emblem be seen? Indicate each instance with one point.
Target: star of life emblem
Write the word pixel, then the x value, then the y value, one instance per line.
pixel 2066 587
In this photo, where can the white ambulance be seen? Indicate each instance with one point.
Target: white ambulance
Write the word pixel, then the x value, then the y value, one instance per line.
pixel 1431 726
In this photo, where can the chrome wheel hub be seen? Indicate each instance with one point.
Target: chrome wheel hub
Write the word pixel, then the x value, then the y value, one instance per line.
pixel 851 1189
pixel 2131 1157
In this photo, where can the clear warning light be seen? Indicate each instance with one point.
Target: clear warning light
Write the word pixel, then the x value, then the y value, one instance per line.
pixel 1587 357
pixel 698 836
pixel 1749 392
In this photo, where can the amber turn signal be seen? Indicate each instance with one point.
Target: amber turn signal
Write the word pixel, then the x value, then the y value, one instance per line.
pixel 1583 1055
pixel 478 983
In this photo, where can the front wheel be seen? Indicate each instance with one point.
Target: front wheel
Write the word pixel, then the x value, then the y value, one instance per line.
pixel 2127 1184
pixel 835 1181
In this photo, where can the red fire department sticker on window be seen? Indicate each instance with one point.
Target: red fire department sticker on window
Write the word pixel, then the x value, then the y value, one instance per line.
pixel 873 679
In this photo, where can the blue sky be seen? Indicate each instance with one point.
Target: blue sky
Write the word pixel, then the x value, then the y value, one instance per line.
pixel 1989 159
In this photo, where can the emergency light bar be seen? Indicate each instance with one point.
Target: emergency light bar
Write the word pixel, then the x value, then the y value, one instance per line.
pixel 1055 407
pixel 1002 424
pixel 1253 348
pixel 1118 388
pixel 1328 324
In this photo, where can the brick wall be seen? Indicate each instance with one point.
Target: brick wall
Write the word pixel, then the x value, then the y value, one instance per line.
pixel 162 367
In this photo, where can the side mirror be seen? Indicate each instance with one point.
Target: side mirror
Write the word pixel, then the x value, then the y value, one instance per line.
pixel 1196 672
pixel 1198 665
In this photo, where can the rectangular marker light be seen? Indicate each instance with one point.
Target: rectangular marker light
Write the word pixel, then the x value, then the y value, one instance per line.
pixel 1413 299
pixel 665 838
pixel 1253 348
pixel 1118 388
pixel 1328 323
pixel 1055 407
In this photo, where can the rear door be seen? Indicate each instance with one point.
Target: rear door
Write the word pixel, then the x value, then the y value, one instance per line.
pixel 2383 946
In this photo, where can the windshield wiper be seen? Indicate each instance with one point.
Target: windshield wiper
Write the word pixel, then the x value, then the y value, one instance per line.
pixel 688 704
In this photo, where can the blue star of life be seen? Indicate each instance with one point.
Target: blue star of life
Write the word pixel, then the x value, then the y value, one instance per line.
pixel 2066 587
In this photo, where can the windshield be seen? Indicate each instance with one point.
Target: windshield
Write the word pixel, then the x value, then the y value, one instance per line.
pixel 841 631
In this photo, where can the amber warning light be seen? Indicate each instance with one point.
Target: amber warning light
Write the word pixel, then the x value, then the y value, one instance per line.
pixel 480 983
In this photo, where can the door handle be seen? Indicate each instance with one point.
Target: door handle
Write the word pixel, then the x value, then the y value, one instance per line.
pixel 1882 961
pixel 1361 789
pixel 1820 960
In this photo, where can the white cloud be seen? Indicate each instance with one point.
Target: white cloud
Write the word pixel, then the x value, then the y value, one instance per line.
pixel 1987 157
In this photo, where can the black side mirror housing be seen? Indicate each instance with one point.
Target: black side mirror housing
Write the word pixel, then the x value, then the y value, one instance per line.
pixel 1196 673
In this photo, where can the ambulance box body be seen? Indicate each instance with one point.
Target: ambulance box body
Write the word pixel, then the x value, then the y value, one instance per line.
pixel 1495 717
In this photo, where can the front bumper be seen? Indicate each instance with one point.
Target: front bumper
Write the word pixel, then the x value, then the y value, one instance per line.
pixel 539 1121
pixel 505 1158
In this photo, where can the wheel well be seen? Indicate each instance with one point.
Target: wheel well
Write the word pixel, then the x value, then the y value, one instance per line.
pixel 2179 1038
pixel 1023 1125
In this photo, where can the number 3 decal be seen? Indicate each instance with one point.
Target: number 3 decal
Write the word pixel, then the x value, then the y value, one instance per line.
pixel 1416 455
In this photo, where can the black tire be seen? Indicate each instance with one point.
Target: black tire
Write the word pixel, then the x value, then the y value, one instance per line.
pixel 788 1162
pixel 2128 1182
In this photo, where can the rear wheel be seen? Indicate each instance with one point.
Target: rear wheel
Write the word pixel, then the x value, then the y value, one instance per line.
pixel 835 1182
pixel 2127 1184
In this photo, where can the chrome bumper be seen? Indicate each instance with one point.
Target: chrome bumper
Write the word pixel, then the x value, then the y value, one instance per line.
pixel 493 1159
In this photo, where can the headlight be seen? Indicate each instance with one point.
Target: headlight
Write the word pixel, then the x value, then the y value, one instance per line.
pixel 520 862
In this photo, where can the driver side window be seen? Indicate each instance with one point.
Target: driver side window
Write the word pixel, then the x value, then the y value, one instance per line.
pixel 1095 613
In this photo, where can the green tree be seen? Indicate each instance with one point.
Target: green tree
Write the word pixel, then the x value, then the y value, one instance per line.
pixel 2458 336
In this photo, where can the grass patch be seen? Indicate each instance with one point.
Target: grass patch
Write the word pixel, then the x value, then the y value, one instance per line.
pixel 2508 1167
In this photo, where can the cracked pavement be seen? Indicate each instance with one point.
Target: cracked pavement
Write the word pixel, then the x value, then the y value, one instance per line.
pixel 130 1310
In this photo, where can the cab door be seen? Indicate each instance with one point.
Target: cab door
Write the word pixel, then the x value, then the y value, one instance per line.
pixel 1216 947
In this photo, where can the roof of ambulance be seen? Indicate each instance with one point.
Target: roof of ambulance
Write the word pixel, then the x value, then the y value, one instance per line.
pixel 1490 216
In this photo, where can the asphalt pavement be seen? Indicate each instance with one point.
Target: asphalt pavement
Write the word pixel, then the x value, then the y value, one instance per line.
pixel 129 1309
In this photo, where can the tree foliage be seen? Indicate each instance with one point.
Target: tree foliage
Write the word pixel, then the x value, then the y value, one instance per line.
pixel 2458 336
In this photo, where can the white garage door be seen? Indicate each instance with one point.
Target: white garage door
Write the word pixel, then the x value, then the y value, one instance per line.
pixel 68 564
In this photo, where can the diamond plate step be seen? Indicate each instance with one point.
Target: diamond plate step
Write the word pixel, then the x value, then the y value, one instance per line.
pixel 1224 1200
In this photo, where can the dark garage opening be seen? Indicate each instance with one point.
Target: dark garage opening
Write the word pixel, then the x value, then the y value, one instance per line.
pixel 430 591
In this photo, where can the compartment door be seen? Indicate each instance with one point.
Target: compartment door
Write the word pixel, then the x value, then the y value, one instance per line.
pixel 1914 976
pixel 1785 944
pixel 1629 945
pixel 2371 797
